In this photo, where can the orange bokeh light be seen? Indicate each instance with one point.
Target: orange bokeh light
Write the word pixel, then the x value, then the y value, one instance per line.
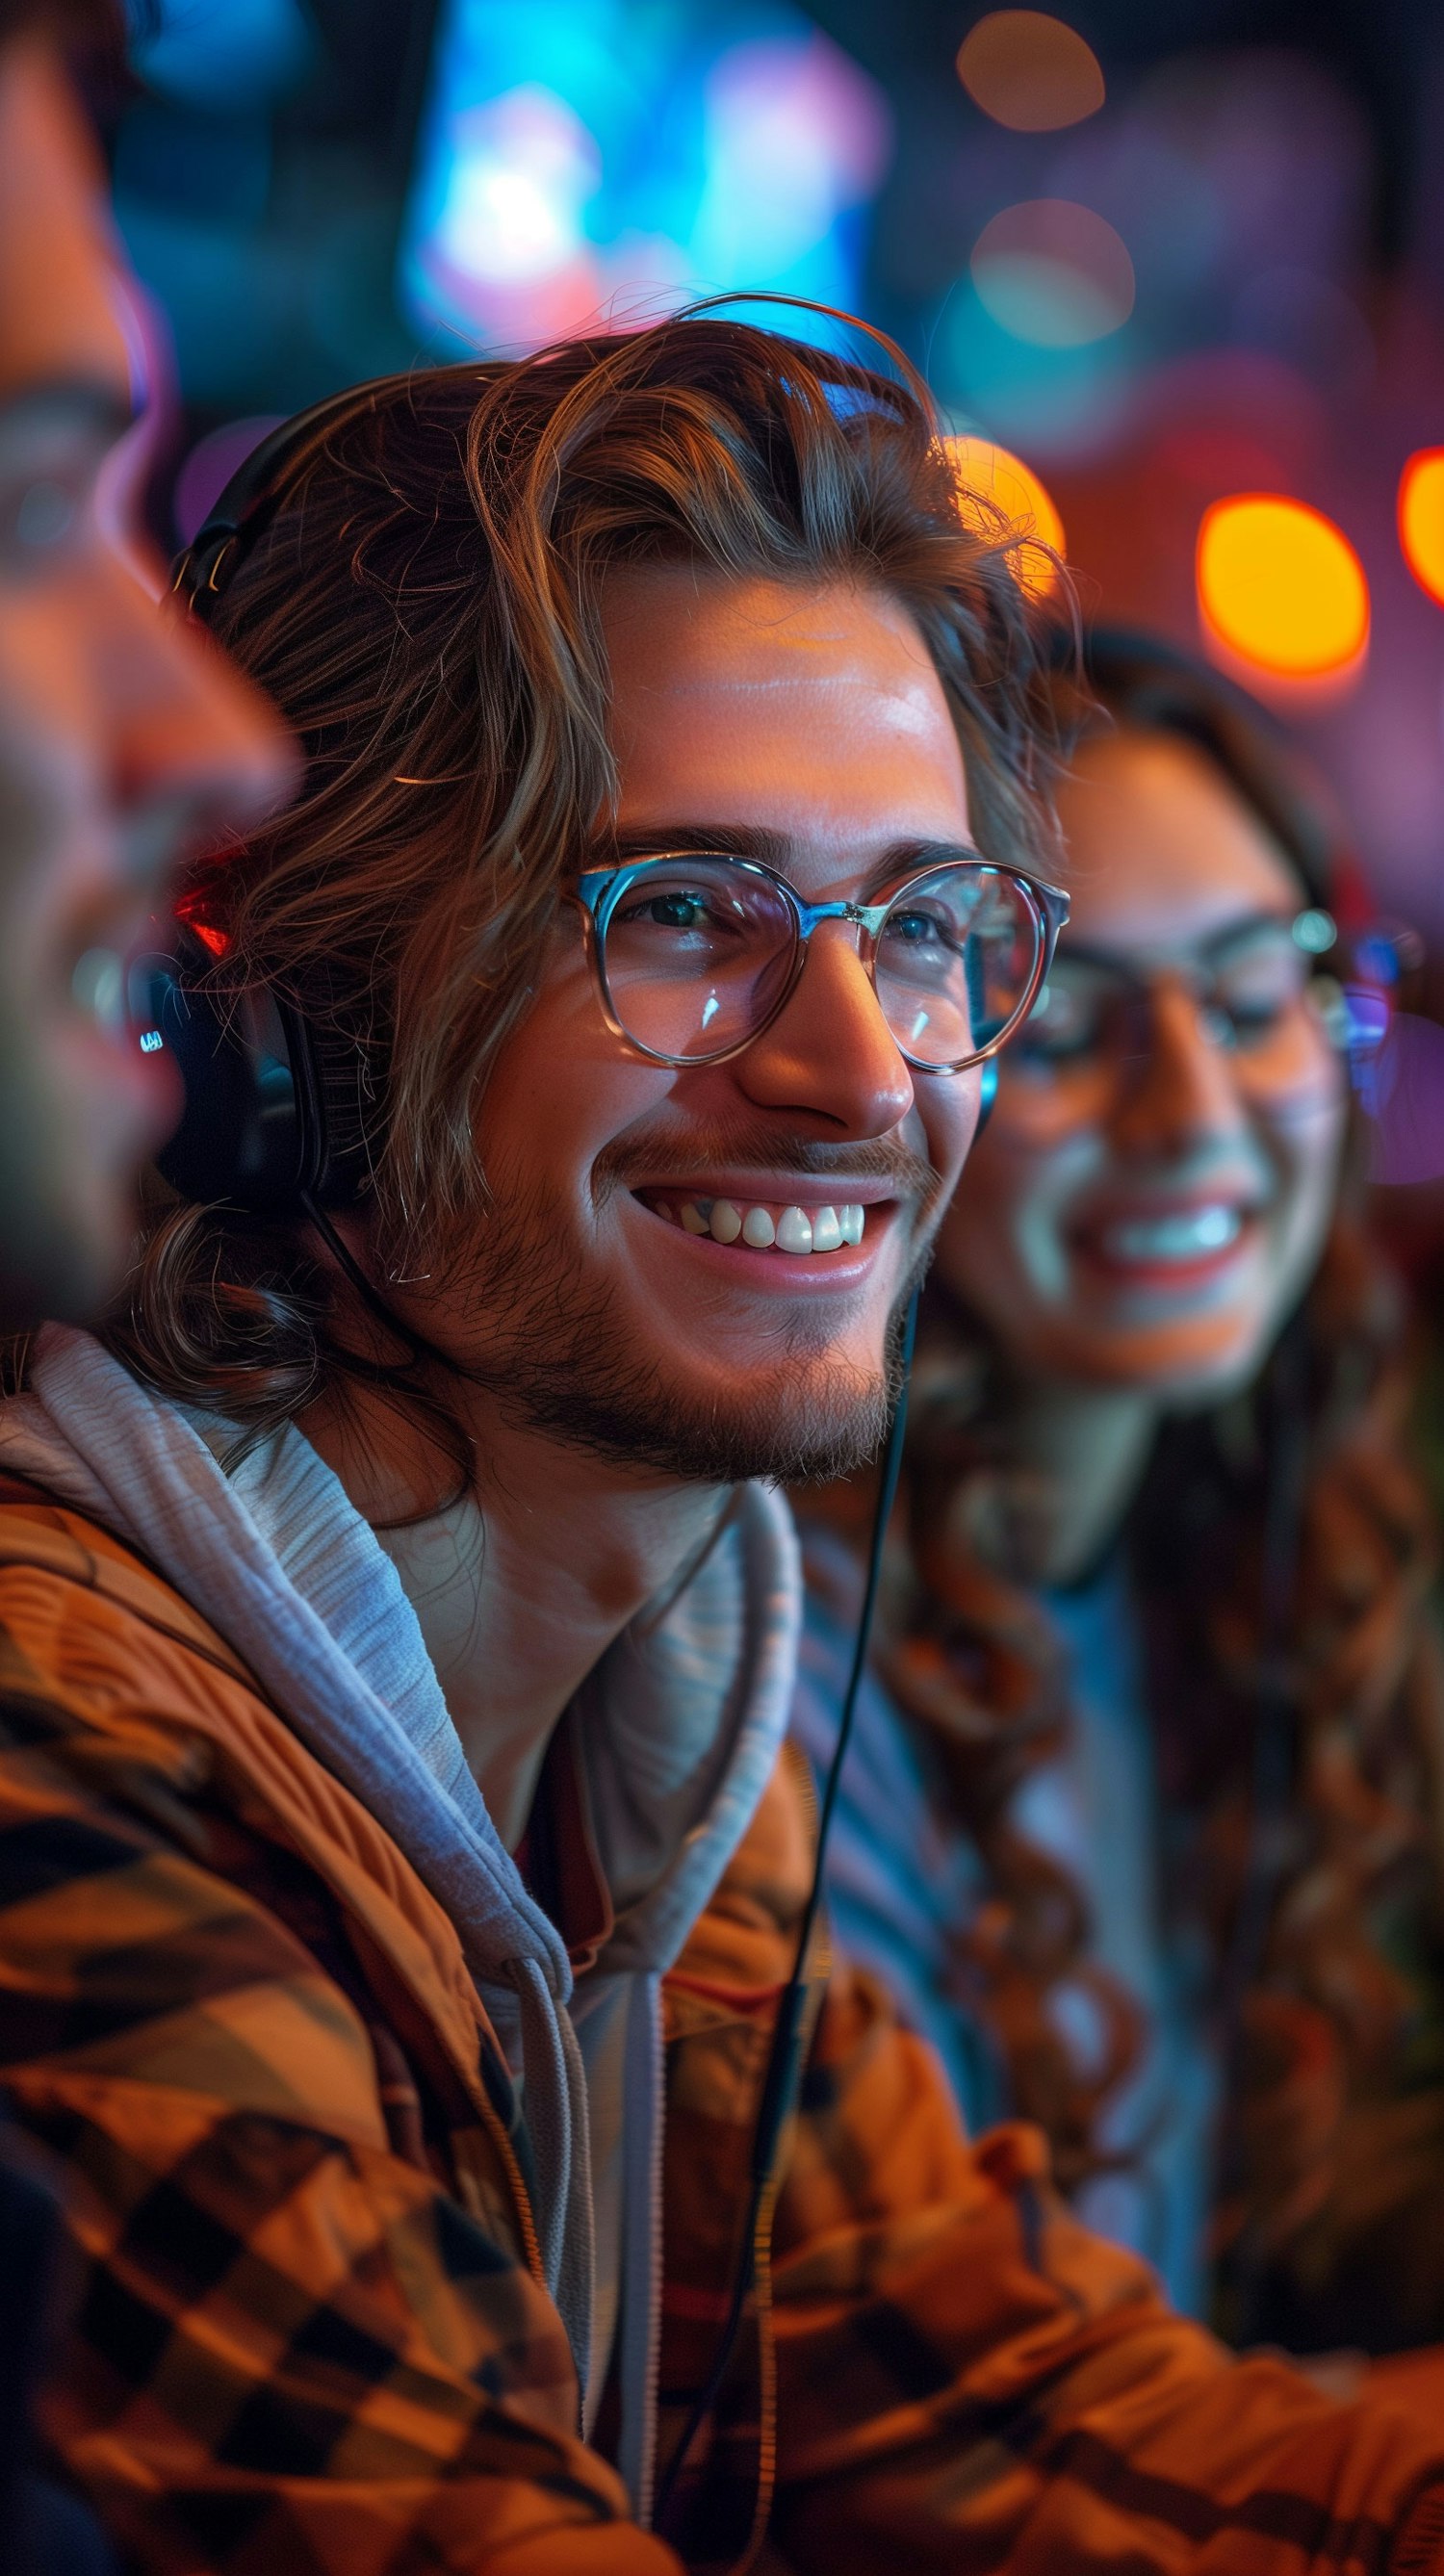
pixel 1280 587
pixel 988 473
pixel 1030 71
pixel 1421 519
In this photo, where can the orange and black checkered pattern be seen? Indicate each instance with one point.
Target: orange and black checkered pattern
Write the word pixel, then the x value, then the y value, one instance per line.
pixel 309 2336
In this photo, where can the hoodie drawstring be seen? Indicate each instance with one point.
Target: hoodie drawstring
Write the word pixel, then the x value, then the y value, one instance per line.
pixel 554 2098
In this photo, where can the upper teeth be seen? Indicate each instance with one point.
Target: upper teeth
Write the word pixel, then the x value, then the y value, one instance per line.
pixel 797 1229
pixel 1179 1237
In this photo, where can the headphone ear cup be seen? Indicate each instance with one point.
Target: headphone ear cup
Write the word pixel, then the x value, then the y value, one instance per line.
pixel 240 1136
pixel 218 1148
pixel 276 1109
pixel 987 1093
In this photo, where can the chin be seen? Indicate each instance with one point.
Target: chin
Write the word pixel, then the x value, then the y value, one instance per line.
pixel 806 1416
pixel 804 1432
pixel 794 1423
pixel 1182 1369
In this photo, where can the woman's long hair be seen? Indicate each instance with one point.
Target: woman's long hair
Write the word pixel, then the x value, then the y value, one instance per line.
pixel 1282 1552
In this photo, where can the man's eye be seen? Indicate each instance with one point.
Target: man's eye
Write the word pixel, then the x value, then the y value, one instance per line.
pixel 917 930
pixel 671 911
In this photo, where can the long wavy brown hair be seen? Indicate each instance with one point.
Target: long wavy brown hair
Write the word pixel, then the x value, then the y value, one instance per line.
pixel 423 603
pixel 1282 1553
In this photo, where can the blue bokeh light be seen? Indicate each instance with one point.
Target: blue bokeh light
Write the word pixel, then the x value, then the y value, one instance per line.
pixel 593 161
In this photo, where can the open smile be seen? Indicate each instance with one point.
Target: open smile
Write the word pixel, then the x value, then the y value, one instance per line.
pixel 796 1234
pixel 1173 1244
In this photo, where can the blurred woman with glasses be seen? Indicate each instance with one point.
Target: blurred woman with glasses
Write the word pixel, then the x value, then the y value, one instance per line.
pixel 1145 1819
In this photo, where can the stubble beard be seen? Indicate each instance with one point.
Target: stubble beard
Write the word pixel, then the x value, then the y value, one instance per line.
pixel 558 1360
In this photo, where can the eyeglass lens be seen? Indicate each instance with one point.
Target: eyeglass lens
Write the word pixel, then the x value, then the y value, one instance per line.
pixel 1244 998
pixel 698 952
pixel 955 959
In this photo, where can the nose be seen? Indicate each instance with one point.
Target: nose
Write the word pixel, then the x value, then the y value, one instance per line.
pixel 1181 1090
pixel 829 1056
pixel 193 743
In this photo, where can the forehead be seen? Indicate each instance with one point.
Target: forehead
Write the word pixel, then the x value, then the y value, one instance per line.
pixel 815 712
pixel 1162 852
pixel 60 281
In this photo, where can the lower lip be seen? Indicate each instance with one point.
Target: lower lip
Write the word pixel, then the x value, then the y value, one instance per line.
pixel 808 1273
pixel 1158 1277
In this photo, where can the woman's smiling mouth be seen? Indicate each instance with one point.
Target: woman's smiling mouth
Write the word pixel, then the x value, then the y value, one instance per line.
pixel 1168 1246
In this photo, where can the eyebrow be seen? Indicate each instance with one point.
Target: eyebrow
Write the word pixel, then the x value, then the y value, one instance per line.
pixel 1244 926
pixel 72 402
pixel 771 849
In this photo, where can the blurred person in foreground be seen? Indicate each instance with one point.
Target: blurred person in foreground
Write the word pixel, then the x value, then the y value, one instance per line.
pixel 123 740
pixel 1144 1827
pixel 400 1857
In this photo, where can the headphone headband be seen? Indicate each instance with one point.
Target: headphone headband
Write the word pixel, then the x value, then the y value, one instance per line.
pixel 255 491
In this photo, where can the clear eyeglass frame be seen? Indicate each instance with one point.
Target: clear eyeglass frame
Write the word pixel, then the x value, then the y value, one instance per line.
pixel 598 891
pixel 1306 940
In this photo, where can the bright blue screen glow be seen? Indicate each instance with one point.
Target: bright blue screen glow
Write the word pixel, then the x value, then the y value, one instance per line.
pixel 595 160
pixel 224 55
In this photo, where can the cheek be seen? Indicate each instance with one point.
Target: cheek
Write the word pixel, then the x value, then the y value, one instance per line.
pixel 948 1109
pixel 1300 1083
pixel 1302 1120
pixel 1309 1146
pixel 1002 1244
pixel 561 1089
pixel 43 759
pixel 1042 1115
pixel 547 1091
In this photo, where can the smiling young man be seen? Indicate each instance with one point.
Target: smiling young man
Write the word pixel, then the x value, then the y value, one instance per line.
pixel 394 1961
pixel 124 740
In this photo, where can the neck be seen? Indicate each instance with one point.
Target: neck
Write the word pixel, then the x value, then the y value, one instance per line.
pixel 1086 1447
pixel 520 1586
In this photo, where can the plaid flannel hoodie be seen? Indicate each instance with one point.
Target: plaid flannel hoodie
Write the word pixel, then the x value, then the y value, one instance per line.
pixel 310 2336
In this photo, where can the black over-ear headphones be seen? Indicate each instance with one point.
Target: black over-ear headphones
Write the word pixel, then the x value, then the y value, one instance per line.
pixel 279 1106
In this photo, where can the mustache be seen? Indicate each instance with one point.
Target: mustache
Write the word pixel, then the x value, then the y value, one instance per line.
pixel 741 1145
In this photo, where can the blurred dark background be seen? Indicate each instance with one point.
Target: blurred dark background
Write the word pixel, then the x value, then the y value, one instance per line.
pixel 1180 260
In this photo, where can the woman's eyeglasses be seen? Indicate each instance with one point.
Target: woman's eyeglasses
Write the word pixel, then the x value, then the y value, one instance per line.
pixel 1087 1005
pixel 695 954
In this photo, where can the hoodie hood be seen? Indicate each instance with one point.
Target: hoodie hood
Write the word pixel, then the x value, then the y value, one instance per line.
pixel 679 1725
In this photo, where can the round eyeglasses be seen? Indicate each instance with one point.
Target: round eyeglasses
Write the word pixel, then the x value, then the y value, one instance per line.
pixel 695 954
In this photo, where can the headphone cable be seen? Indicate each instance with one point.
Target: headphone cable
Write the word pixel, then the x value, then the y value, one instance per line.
pixel 784 2055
